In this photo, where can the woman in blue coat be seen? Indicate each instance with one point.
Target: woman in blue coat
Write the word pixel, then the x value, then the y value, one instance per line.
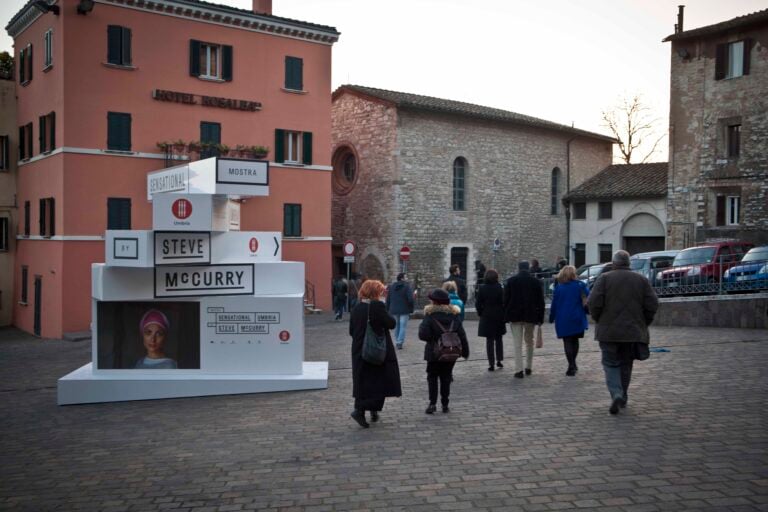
pixel 568 314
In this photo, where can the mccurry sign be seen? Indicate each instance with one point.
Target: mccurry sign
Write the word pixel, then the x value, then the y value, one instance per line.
pixel 206 101
pixel 190 281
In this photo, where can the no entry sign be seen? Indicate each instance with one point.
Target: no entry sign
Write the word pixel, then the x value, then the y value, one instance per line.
pixel 405 252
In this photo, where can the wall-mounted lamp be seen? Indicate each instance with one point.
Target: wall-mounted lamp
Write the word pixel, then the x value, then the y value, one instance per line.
pixel 683 53
pixel 84 7
pixel 42 6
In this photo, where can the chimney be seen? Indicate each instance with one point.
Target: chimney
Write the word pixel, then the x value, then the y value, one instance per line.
pixel 678 27
pixel 262 6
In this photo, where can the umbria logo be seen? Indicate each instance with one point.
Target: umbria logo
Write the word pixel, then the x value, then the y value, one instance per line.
pixel 181 209
pixel 253 245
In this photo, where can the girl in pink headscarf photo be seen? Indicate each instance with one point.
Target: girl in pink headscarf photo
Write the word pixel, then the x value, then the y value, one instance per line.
pixel 154 326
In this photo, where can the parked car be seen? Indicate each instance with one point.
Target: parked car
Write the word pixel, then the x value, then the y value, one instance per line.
pixel 585 267
pixel 590 275
pixel 648 264
pixel 751 273
pixel 702 265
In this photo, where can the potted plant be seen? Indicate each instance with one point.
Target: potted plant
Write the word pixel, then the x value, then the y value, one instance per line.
pixel 194 146
pixel 259 152
pixel 179 145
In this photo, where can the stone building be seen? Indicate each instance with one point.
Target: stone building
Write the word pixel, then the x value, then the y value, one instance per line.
pixel 8 216
pixel 447 179
pixel 621 207
pixel 718 132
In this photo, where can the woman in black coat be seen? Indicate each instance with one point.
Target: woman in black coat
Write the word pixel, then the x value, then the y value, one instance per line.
pixel 372 383
pixel 442 312
pixel 490 308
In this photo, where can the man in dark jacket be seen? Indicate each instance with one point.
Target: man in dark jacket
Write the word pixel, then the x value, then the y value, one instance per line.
pixel 461 284
pixel 339 296
pixel 622 304
pixel 400 305
pixel 524 309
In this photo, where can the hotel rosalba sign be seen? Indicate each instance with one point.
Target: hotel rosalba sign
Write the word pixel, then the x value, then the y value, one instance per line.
pixel 206 101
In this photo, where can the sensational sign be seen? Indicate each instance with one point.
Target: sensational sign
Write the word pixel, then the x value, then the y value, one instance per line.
pixel 169 180
pixel 206 101
pixel 204 280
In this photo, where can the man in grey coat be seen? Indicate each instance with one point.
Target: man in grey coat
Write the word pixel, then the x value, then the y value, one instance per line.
pixel 622 304
pixel 400 305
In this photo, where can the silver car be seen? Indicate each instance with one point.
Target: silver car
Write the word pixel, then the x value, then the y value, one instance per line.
pixel 649 263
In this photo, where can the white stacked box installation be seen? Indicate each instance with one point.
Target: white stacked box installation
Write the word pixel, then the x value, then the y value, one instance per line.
pixel 195 307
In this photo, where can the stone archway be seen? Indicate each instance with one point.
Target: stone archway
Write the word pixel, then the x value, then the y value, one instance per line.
pixel 642 232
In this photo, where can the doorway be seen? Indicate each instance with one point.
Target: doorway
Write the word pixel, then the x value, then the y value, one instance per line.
pixel 460 256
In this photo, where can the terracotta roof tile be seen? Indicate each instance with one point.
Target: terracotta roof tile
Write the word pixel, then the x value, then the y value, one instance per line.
pixel 623 181
pixel 754 18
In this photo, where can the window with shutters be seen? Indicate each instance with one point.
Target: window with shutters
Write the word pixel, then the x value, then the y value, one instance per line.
pixel 47 130
pixel 119 45
pixel 24 279
pixel 732 210
pixel 25 65
pixel 48 46
pixel 118 131
pixel 47 217
pixel 732 59
pixel 579 211
pixel 26 218
pixel 5 157
pixel 5 233
pixel 118 213
pixel 25 141
pixel 605 252
pixel 554 205
pixel 210 138
pixel 293 147
pixel 291 220
pixel 459 184
pixel 733 140
pixel 210 61
pixel 294 73
pixel 604 210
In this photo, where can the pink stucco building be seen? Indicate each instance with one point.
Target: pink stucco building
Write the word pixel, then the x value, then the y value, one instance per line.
pixel 102 85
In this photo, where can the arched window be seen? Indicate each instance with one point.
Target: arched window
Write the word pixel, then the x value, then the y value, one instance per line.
pixel 555 193
pixel 459 184
pixel 345 169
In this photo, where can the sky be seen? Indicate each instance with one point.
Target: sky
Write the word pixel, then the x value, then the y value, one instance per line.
pixel 566 61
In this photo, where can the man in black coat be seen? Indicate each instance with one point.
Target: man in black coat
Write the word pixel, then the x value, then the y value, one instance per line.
pixel 461 284
pixel 524 309
pixel 622 304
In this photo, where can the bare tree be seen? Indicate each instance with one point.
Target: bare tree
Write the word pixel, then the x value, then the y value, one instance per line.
pixel 633 124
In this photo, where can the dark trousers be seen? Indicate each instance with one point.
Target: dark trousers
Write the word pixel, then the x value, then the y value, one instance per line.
pixel 369 404
pixel 618 359
pixel 339 304
pixel 444 373
pixel 571 346
pixel 497 354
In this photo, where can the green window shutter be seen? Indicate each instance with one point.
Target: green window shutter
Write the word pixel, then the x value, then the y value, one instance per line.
pixel 279 145
pixel 286 220
pixel 306 147
pixel 125 47
pixel 22 65
pixel 747 52
pixel 41 134
pixel 29 140
pixel 299 74
pixel 226 63
pixel 118 213
pixel 194 57
pixel 721 58
pixel 29 62
pixel 22 146
pixel 52 216
pixel 52 131
pixel 293 73
pixel 114 39
pixel 119 131
pixel 41 220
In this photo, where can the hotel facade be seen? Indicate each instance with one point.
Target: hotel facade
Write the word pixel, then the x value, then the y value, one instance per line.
pixel 110 90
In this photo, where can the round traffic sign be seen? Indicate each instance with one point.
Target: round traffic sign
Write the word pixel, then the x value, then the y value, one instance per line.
pixel 349 248
pixel 405 252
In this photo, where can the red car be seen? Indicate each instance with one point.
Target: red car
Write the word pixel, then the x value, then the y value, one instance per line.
pixel 703 264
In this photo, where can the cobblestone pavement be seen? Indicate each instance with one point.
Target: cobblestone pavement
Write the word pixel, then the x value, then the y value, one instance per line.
pixel 692 438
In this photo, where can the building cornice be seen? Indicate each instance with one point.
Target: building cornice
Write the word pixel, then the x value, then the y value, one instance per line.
pixel 205 12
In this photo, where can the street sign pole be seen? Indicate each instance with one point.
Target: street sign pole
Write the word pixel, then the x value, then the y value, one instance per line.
pixel 349 248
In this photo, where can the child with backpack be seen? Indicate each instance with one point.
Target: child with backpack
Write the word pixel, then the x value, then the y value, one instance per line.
pixel 446 341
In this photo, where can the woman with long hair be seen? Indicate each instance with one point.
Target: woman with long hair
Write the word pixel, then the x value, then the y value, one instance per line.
pixel 568 313
pixel 371 384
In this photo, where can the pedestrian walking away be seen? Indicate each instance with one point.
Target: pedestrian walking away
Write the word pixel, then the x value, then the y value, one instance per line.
pixel 371 384
pixel 490 308
pixel 623 305
pixel 339 290
pixel 567 311
pixel 440 317
pixel 400 305
pixel 452 289
pixel 524 310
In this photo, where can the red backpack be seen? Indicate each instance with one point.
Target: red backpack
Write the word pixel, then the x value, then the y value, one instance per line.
pixel 448 345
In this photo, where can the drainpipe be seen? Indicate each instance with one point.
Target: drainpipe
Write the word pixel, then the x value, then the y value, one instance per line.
pixel 568 207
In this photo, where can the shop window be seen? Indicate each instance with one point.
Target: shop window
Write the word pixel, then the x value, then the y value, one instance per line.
pixel 459 184
pixel 579 211
pixel 293 147
pixel 47 217
pixel 210 61
pixel 118 45
pixel 118 213
pixel 292 220
pixel 604 210
pixel 554 206
pixel 118 131
pixel 605 252
pixel 732 59
pixel 294 73
pixel 47 129
pixel 48 45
